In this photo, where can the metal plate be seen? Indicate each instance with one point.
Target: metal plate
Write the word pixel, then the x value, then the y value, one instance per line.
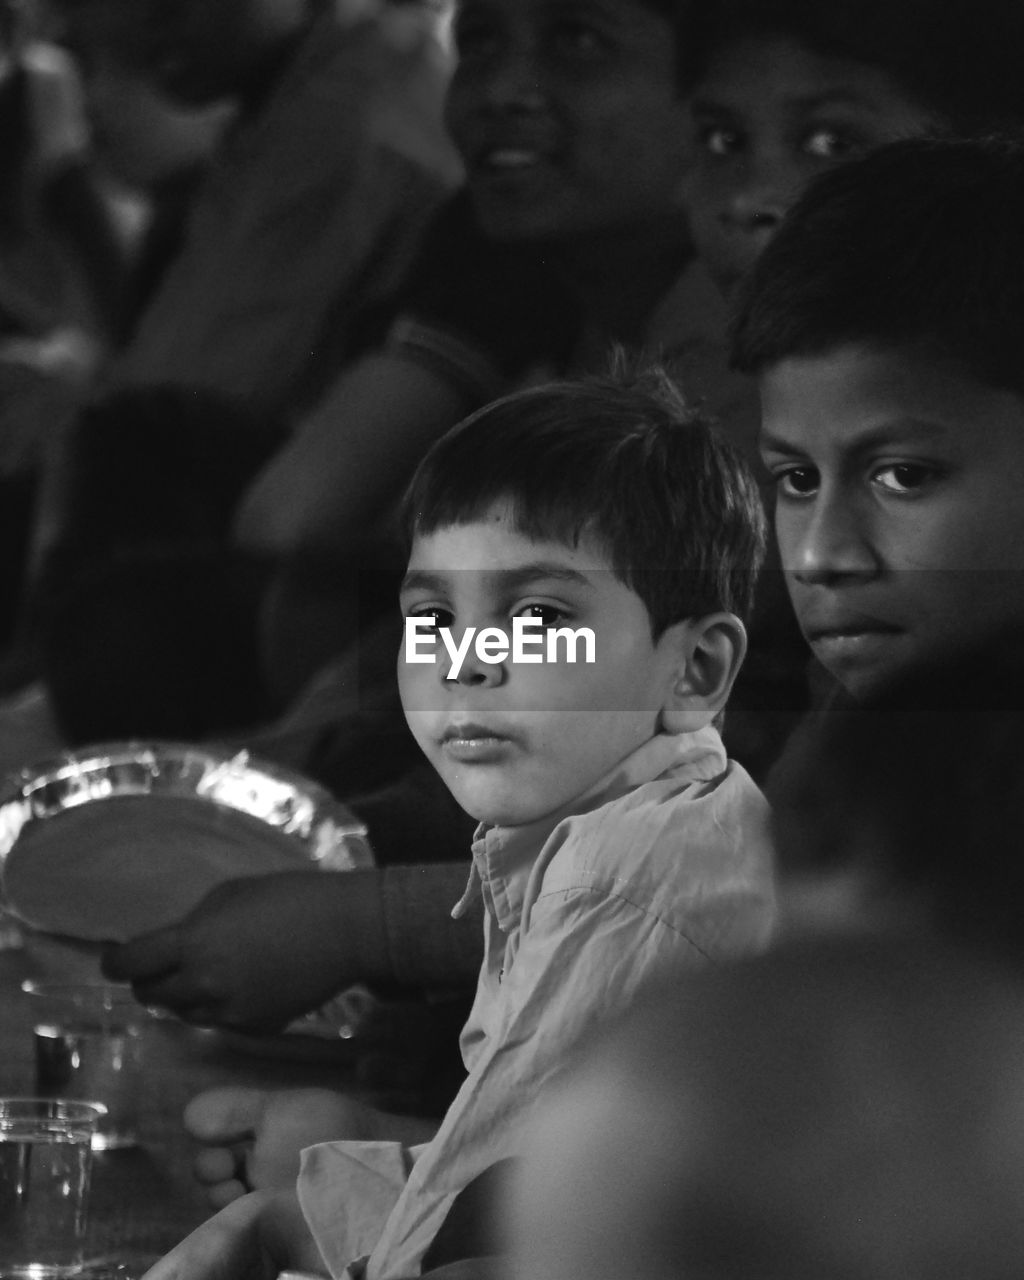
pixel 119 838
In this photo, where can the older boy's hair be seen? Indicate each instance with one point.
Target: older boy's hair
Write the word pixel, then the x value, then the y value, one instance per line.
pixel 918 245
pixel 960 59
pixel 632 466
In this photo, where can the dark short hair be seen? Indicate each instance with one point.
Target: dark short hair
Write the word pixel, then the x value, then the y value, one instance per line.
pixel 627 463
pixel 959 58
pixel 920 244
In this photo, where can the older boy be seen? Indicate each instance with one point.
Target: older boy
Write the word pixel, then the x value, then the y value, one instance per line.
pixel 886 325
pixel 616 841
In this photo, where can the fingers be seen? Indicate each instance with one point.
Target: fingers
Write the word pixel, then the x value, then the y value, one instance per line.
pixel 227 1115
pixel 225 1193
pixel 221 1172
pixel 229 1118
pixel 217 1164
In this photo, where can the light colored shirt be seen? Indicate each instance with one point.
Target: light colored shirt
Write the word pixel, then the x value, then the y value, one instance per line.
pixel 665 864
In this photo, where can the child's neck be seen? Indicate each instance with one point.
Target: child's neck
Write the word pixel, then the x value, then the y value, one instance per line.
pixel 620 278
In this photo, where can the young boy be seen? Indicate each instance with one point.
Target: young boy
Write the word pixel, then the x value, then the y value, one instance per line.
pixel 886 325
pixel 616 841
pixel 609 215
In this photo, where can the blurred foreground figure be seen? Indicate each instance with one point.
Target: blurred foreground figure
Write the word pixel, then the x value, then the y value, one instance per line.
pixel 847 1110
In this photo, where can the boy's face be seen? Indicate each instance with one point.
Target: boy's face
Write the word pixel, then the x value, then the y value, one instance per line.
pixel 769 116
pixel 567 115
pixel 899 513
pixel 514 742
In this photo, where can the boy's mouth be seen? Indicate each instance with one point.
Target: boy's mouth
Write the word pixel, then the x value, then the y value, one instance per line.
pixel 472 732
pixel 851 646
pixel 509 159
pixel 510 151
pixel 474 742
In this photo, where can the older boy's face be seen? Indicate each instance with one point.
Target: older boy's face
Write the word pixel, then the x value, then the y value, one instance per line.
pixel 899 516
pixel 514 741
pixel 567 115
pixel 769 116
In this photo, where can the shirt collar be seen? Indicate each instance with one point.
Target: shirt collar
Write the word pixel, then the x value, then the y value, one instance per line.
pixel 503 856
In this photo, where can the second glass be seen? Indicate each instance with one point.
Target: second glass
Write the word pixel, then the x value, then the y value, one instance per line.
pixel 88 1045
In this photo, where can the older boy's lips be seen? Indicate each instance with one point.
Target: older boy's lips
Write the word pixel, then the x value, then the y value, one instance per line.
pixel 860 644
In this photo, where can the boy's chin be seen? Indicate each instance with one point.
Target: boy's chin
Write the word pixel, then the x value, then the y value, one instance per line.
pixel 504 811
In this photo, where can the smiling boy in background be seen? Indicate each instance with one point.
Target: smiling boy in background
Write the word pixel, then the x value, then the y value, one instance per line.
pixel 781 91
pixel 616 843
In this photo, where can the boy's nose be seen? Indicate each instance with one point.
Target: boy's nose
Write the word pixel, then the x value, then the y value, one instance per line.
pixel 472 671
pixel 827 544
pixel 513 82
pixel 762 196
pixel 758 210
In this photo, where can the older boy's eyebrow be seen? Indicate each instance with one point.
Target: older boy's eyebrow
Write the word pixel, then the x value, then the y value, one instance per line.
pixel 898 431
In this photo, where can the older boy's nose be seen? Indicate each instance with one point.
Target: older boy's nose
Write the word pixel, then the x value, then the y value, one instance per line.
pixel 826 544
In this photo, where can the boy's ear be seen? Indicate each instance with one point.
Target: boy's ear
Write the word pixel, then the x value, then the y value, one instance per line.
pixel 709 652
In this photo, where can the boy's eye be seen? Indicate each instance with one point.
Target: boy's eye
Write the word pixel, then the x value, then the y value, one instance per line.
pixel 546 615
pixel 796 482
pixel 717 140
pixel 902 477
pixel 830 144
pixel 433 613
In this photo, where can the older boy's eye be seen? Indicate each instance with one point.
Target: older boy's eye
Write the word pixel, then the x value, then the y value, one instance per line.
pixel 796 482
pixel 902 477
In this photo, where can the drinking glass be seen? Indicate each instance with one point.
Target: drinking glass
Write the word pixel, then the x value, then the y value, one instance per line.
pixel 88 1044
pixel 45 1165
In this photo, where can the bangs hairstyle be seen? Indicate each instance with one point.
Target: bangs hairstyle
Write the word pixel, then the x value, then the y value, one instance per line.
pixel 960 59
pixel 920 244
pixel 672 504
